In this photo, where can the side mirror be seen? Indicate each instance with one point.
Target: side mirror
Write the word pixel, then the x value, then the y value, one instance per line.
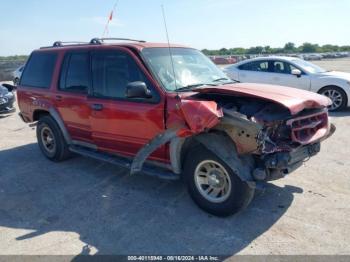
pixel 296 72
pixel 137 89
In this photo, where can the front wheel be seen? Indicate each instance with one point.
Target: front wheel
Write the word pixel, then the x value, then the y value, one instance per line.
pixel 213 185
pixel 337 96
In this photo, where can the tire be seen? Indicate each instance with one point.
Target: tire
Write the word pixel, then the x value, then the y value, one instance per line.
pixel 48 131
pixel 228 203
pixel 336 93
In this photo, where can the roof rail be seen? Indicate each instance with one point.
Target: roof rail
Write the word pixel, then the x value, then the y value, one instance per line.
pixel 61 44
pixel 98 41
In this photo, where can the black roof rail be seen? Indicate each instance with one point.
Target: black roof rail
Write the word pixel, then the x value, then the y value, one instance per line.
pixel 61 44
pixel 98 41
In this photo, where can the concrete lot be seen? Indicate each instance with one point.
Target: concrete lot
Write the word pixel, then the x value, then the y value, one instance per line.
pixel 342 64
pixel 82 206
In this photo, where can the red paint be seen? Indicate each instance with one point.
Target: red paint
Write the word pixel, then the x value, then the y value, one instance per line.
pixel 194 116
pixel 124 127
pixel 294 99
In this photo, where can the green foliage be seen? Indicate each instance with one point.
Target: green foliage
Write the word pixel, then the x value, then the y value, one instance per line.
pixel 287 49
pixel 14 58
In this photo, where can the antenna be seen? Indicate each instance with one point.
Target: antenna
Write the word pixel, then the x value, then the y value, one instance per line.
pixel 110 17
pixel 170 53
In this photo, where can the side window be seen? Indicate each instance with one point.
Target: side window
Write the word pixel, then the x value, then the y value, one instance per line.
pixel 112 71
pixel 258 66
pixel 39 70
pixel 281 67
pixel 75 73
pixel 290 67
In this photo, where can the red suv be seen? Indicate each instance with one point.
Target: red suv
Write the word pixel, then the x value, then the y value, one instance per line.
pixel 169 111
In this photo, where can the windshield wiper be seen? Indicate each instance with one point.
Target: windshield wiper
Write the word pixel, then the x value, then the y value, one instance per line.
pixel 226 83
pixel 220 79
pixel 189 87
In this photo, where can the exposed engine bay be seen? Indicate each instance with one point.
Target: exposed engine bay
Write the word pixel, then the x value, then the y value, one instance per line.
pixel 278 140
pixel 271 123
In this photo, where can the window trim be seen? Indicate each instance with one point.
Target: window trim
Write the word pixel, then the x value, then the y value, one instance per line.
pixel 288 64
pixel 156 99
pixel 256 61
pixel 68 55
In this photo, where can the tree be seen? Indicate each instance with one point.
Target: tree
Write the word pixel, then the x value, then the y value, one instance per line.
pixel 345 48
pixel 309 48
pixel 255 50
pixel 289 47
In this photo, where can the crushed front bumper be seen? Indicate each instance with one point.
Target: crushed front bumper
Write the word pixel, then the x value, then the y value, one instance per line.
pixel 277 165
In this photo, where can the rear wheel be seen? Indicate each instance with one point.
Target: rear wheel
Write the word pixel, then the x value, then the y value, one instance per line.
pixel 337 95
pixel 51 140
pixel 213 185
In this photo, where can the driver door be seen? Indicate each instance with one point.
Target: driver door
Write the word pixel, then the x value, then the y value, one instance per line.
pixel 121 125
pixel 281 74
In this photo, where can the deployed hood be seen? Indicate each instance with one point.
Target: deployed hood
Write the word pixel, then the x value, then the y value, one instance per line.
pixel 294 99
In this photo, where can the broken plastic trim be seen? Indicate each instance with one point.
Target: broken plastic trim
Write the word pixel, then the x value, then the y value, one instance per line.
pixel 147 150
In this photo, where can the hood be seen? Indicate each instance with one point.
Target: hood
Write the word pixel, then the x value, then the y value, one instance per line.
pixel 336 74
pixel 294 99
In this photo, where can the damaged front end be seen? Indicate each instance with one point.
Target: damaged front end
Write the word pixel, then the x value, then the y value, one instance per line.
pixel 278 141
pixel 259 139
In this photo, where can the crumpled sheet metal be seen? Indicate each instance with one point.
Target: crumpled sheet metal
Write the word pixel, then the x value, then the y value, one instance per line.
pixel 195 116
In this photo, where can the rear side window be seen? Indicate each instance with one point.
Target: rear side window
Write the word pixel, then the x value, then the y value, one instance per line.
pixel 75 73
pixel 259 66
pixel 39 70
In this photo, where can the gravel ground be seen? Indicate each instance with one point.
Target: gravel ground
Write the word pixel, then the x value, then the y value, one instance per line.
pixel 82 206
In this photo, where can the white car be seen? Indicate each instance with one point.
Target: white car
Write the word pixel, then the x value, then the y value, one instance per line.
pixel 17 75
pixel 294 72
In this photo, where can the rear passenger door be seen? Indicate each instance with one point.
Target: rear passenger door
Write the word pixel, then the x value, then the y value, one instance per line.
pixel 119 124
pixel 71 95
pixel 254 72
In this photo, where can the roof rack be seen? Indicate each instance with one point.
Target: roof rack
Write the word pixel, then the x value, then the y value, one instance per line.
pixel 98 41
pixel 69 43
pixel 60 43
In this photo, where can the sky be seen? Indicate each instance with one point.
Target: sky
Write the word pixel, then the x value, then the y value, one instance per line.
pixel 212 24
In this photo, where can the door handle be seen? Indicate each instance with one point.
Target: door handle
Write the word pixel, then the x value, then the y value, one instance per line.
pixel 97 107
pixel 58 98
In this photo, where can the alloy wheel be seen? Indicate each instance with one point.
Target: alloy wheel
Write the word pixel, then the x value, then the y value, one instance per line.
pixel 212 181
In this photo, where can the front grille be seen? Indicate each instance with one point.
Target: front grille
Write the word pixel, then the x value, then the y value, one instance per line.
pixel 310 128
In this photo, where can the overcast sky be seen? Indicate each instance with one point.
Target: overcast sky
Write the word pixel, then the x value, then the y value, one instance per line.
pixel 212 24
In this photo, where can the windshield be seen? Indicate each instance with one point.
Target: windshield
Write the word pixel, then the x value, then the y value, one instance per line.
pixel 309 67
pixel 191 68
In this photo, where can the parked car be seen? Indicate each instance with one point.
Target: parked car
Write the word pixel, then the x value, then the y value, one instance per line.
pixel 297 73
pixel 170 114
pixel 17 75
pixel 7 99
pixel 219 60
